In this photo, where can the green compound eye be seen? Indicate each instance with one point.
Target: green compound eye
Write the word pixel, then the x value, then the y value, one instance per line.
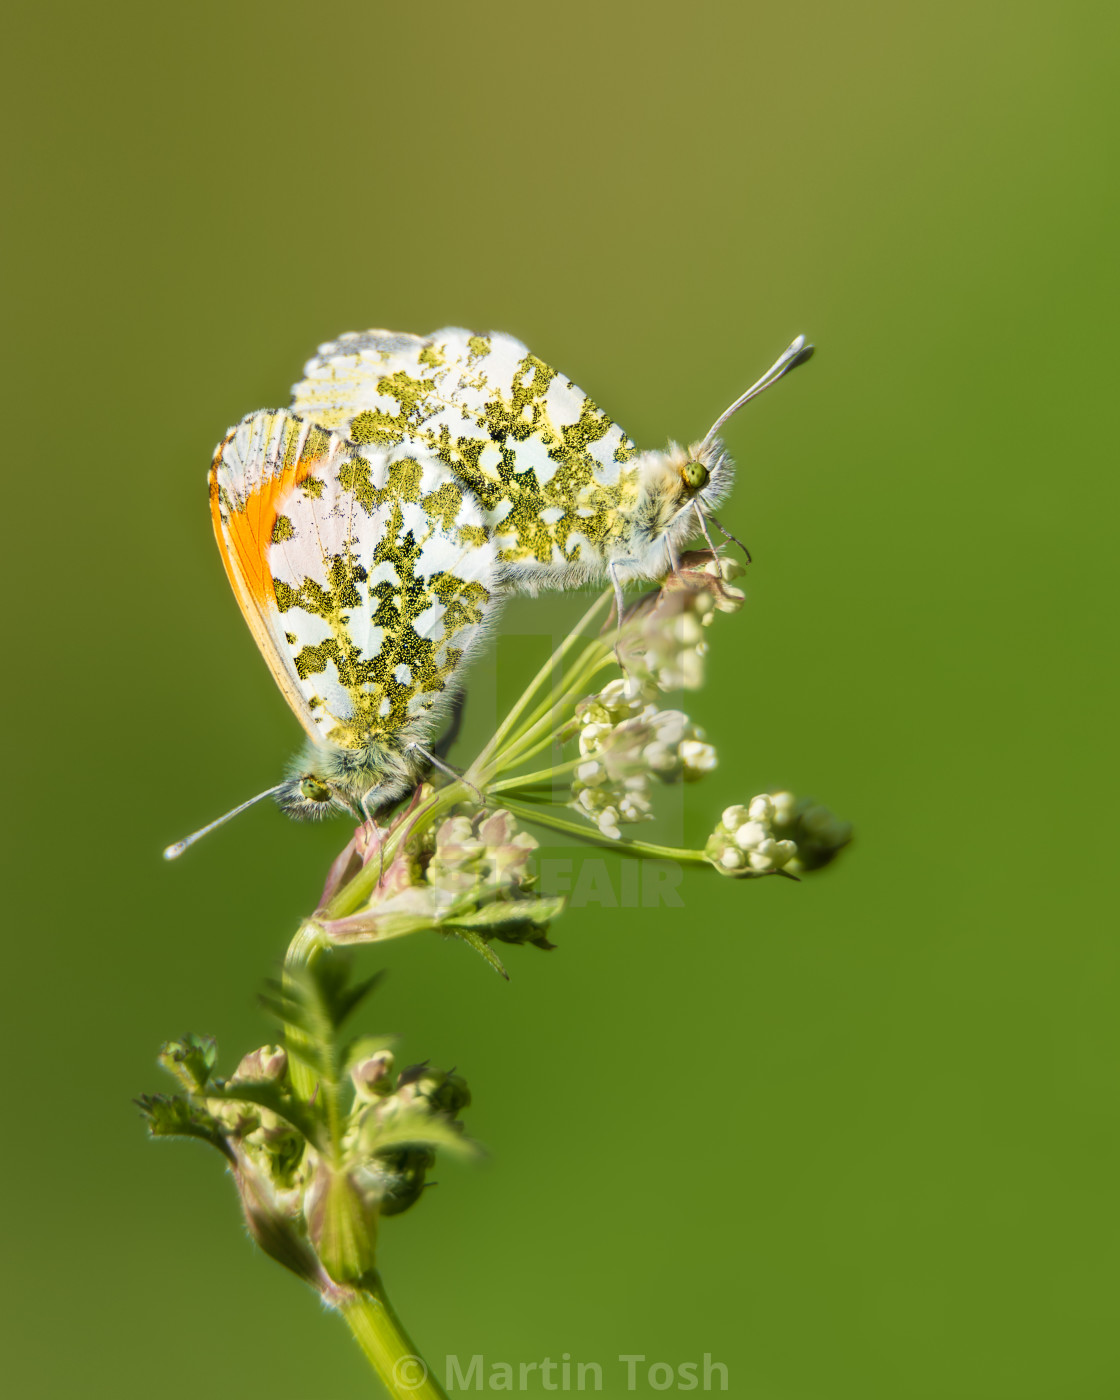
pixel 312 790
pixel 695 475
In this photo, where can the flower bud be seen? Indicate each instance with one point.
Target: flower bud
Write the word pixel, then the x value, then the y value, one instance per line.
pixel 275 1226
pixel 751 834
pixel 269 1062
pixel 371 1077
pixel 776 832
pixel 698 758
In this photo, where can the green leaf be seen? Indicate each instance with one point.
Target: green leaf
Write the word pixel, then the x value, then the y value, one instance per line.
pixel 345 999
pixel 318 1000
pixel 343 1228
pixel 481 947
pixel 191 1060
pixel 415 1127
pixel 502 913
pixel 265 1093
pixel 176 1117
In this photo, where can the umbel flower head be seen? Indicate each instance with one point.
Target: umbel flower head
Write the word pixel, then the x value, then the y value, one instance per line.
pixel 316 1169
pixel 664 644
pixel 627 746
pixel 775 832
pixel 469 877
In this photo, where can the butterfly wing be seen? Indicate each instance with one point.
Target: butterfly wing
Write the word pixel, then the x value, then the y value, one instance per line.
pixel 366 577
pixel 544 460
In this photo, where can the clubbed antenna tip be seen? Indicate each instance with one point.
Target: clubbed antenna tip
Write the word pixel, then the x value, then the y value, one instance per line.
pixel 796 353
pixel 174 851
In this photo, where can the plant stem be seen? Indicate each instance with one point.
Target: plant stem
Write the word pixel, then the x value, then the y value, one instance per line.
pixel 539 679
pixel 589 833
pixel 538 733
pixel 302 951
pixel 352 895
pixel 388 1347
pixel 542 775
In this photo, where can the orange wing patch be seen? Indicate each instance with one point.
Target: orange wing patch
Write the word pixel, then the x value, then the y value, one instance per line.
pixel 267 469
pixel 249 530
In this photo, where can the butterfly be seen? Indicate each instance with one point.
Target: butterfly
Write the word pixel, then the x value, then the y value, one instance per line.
pixel 568 498
pixel 370 532
pixel 367 578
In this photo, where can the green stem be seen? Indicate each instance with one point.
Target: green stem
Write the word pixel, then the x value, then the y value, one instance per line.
pixel 388 1347
pixel 304 948
pixel 539 679
pixel 588 833
pixel 530 741
pixel 541 776
pixel 354 894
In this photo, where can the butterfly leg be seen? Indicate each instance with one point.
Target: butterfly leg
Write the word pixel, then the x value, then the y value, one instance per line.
pixel 704 526
pixel 444 768
pixel 616 584
pixel 729 536
pixel 619 604
pixel 371 822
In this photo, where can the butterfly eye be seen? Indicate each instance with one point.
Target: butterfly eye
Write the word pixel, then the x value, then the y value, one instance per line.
pixel 695 475
pixel 312 790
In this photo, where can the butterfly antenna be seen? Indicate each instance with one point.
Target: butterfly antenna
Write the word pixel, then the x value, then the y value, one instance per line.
pixel 173 852
pixel 795 354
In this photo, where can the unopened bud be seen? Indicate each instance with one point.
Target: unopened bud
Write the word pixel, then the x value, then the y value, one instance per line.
pixel 751 835
pixel 370 1077
pixel 269 1062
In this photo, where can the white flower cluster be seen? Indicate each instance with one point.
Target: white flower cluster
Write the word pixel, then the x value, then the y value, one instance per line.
pixel 744 842
pixel 625 744
pixel 484 855
pixel 665 643
pixel 776 831
pixel 470 872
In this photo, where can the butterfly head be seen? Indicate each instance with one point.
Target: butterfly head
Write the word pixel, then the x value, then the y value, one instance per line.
pixel 695 474
pixel 327 781
pixel 706 471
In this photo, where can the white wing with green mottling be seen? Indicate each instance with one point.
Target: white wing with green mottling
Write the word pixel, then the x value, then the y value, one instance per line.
pixel 555 476
pixel 366 574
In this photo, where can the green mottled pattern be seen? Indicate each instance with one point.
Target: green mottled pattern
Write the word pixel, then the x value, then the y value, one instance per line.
pixel 548 466
pixel 381 573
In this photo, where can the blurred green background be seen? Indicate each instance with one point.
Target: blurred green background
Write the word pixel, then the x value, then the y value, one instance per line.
pixel 858 1137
